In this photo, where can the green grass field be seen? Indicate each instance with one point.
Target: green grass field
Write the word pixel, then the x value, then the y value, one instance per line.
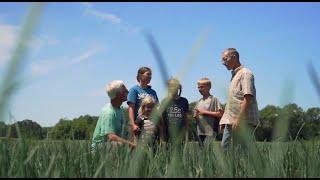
pixel 26 158
pixel 73 159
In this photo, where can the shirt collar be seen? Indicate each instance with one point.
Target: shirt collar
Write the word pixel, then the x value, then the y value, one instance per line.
pixel 234 72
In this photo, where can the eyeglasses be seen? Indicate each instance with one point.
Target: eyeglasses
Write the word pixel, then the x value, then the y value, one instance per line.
pixel 226 60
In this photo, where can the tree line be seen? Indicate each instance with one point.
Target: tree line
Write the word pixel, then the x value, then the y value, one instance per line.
pixel 302 125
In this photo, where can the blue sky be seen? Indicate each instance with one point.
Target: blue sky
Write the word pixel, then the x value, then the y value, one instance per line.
pixel 79 47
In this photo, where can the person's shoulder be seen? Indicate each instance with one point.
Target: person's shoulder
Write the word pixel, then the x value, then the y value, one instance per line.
pixel 245 70
pixel 183 99
pixel 107 109
pixel 199 100
pixel 135 87
pixel 122 108
pixel 106 112
pixel 151 89
pixel 215 98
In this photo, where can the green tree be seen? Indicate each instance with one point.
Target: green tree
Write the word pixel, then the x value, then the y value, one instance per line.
pixel 296 119
pixel 62 130
pixel 268 117
pixel 312 123
pixel 28 129
pixel 3 129
pixel 83 127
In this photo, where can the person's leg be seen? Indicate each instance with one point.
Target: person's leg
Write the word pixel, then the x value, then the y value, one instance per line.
pixel 226 138
pixel 242 139
pixel 209 139
pixel 202 138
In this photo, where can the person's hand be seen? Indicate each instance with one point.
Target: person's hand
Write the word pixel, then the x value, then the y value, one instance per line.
pixel 196 113
pixel 200 111
pixel 135 128
pixel 221 128
pixel 133 145
pixel 235 123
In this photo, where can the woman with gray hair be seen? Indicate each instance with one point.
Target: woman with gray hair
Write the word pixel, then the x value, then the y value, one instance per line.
pixel 111 122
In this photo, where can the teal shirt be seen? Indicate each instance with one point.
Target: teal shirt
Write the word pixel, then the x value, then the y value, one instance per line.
pixel 111 120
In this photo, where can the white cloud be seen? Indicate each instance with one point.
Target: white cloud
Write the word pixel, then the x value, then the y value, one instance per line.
pixel 87 4
pixel 52 41
pixel 76 40
pixel 8 38
pixel 85 56
pixel 103 15
pixel 131 29
pixel 42 41
pixel 46 66
pixel 98 93
pixel 109 17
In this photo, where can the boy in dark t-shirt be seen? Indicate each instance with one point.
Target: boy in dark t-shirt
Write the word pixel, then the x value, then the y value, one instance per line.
pixel 174 117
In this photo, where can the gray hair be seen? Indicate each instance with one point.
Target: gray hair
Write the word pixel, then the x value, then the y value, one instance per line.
pixel 233 52
pixel 114 87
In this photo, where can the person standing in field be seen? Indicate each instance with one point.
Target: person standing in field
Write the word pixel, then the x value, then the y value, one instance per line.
pixel 241 108
pixel 174 123
pixel 111 122
pixel 207 113
pixel 148 128
pixel 137 93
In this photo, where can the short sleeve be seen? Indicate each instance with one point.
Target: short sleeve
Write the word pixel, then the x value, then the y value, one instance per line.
pixel 154 93
pixel 218 105
pixel 185 105
pixel 108 123
pixel 247 83
pixel 132 96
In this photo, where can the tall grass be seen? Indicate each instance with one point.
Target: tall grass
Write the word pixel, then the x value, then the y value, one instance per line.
pixel 27 158
pixel 74 159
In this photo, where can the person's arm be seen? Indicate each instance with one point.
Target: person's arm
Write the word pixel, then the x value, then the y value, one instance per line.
pixel 131 110
pixel 114 137
pixel 186 110
pixel 161 129
pixel 109 128
pixel 247 82
pixel 187 125
pixel 243 108
pixel 195 113
pixel 216 114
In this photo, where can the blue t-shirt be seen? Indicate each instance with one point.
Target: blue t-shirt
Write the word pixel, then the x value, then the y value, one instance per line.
pixel 137 94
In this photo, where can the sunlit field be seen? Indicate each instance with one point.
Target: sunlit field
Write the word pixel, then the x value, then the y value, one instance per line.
pixel 25 158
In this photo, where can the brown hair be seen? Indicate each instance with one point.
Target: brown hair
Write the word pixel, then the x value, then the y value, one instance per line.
pixel 142 70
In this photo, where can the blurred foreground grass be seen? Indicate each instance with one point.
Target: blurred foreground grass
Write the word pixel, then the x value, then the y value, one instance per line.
pixel 27 158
